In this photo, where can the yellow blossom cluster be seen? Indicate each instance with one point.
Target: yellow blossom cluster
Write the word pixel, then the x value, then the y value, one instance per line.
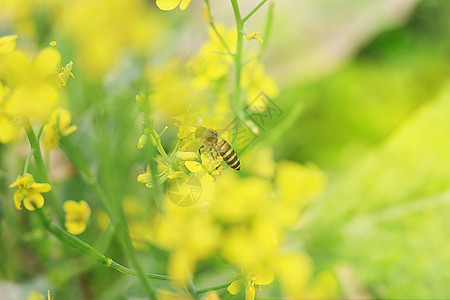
pixel 245 220
pixel 28 88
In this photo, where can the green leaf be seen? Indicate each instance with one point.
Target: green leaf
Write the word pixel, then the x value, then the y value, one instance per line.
pixel 387 217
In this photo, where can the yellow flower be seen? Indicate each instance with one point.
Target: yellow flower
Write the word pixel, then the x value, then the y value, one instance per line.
pixel 29 192
pixel 8 129
pixel 57 126
pixel 250 281
pixel 209 165
pixel 77 214
pixel 34 84
pixel 35 296
pixel 172 4
pixel 7 43
pixel 254 35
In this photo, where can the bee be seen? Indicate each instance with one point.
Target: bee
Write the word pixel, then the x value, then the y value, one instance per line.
pixel 211 138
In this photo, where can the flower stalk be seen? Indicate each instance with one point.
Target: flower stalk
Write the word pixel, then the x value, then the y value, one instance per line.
pixel 42 170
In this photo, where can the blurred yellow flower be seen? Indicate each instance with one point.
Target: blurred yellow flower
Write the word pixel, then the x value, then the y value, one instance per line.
pixel 294 271
pixel 35 296
pixel 211 295
pixel 251 280
pixel 254 81
pixel 109 29
pixel 7 43
pixel 34 84
pixel 172 4
pixel 254 35
pixel 8 128
pixel 208 66
pixel 298 184
pixel 190 233
pixel 57 126
pixel 77 215
pixel 29 192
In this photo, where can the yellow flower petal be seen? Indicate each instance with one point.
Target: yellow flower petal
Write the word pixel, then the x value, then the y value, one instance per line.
pixel 184 4
pixel 85 209
pixel 13 68
pixel 33 99
pixel 7 43
pixel 235 287
pixel 70 206
pixel 18 197
pixel 46 63
pixel 33 200
pixel 250 292
pixel 263 277
pixel 75 227
pixel 167 4
pixel 69 130
pixel 77 214
pixel 193 166
pixel 40 187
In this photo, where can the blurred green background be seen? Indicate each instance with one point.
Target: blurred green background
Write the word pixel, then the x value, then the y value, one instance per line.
pixel 377 122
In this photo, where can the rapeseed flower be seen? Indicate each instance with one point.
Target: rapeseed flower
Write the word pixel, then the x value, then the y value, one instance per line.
pixel 58 126
pixel 172 4
pixel 253 36
pixel 250 281
pixel 29 192
pixel 77 215
pixel 34 84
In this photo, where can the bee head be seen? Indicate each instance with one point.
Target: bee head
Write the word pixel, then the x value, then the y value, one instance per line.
pixel 199 132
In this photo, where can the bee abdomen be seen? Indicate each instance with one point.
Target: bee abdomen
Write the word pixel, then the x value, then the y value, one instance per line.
pixel 228 154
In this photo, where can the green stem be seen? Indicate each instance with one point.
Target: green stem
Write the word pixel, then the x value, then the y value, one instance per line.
pixel 88 250
pixel 254 10
pixel 71 240
pixel 27 162
pixel 268 29
pixel 116 216
pixel 213 26
pixel 77 158
pixel 42 170
pixel 217 287
pixel 128 271
pixel 238 105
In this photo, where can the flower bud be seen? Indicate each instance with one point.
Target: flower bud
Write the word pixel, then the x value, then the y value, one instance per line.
pixel 181 155
pixel 142 141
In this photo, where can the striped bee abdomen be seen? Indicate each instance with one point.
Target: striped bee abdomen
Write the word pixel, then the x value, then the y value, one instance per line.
pixel 228 154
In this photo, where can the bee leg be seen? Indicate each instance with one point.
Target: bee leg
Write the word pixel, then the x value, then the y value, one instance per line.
pixel 199 151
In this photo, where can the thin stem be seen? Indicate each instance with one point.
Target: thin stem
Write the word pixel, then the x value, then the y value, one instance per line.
pixel 238 58
pixel 88 250
pixel 42 170
pixel 254 10
pixel 268 29
pixel 217 287
pixel 27 161
pixel 213 26
pixel 77 158
pixel 129 271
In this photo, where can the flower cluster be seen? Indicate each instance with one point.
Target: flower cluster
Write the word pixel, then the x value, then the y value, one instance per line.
pixel 28 88
pixel 244 220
